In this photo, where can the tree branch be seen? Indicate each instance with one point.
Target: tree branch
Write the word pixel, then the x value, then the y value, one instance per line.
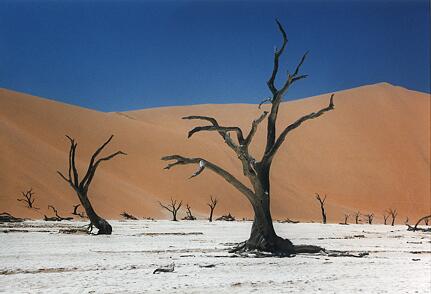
pixel 270 154
pixel 254 126
pixel 180 160
pixel 277 54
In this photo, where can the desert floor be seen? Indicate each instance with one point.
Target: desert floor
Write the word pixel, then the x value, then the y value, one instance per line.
pixel 35 257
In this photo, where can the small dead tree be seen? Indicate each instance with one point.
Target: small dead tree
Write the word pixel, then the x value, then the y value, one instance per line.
pixel 346 218
pixel 57 217
pixel 189 215
pixel 370 218
pixel 227 217
pixel 75 211
pixel 393 213
pixel 28 198
pixel 357 217
pixel 322 207
pixel 212 204
pixel 81 186
pixel 173 208
pixel 424 219
pixel 257 171
pixel 385 218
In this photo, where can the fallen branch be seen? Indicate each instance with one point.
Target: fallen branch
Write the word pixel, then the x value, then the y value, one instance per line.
pixel 228 218
pixel 56 218
pixel 8 218
pixel 128 216
pixel 167 269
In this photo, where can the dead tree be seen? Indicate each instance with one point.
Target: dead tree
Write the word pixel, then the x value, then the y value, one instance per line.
pixel 385 218
pixel 415 227
pixel 28 198
pixel 370 218
pixel 126 215
pixel 393 213
pixel 57 217
pixel 346 218
pixel 189 215
pixel 322 207
pixel 262 236
pixel 212 204
pixel 75 211
pixel 227 217
pixel 357 215
pixel 172 208
pixel 81 186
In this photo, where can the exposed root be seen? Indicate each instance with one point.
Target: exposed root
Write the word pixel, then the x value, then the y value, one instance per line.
pixel 243 249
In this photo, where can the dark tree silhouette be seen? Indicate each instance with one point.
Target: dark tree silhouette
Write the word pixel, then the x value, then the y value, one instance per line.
pixel 212 204
pixel 172 208
pixel 370 218
pixel 357 215
pixel 346 218
pixel 393 213
pixel 425 219
pixel 81 187
pixel 57 217
pixel 263 236
pixel 189 215
pixel 385 218
pixel 322 207
pixel 28 198
pixel 75 211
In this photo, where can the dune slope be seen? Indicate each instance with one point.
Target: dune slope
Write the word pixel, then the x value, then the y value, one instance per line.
pixel 370 154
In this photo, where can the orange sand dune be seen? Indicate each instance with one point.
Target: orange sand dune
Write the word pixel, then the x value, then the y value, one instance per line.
pixel 370 154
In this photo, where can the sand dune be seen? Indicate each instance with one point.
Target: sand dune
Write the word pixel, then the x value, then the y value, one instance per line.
pixel 370 154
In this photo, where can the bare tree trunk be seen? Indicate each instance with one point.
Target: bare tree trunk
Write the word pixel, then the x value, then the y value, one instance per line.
pixel 322 207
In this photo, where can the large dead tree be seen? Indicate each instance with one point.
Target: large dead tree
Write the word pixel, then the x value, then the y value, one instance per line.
pixel 212 204
pixel 81 186
pixel 172 208
pixel 322 207
pixel 28 198
pixel 263 236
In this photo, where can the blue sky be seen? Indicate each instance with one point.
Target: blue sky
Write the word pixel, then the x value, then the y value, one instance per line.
pixel 114 56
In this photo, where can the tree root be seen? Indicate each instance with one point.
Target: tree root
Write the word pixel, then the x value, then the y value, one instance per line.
pixel 244 250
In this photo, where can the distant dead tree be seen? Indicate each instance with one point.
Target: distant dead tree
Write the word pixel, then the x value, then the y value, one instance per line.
pixel 28 198
pixel 75 211
pixel 173 208
pixel 357 215
pixel 322 207
pixel 126 215
pixel 189 215
pixel 228 217
pixel 57 217
pixel 407 220
pixel 393 213
pixel 424 219
pixel 212 204
pixel 262 236
pixel 81 187
pixel 346 218
pixel 370 218
pixel 385 218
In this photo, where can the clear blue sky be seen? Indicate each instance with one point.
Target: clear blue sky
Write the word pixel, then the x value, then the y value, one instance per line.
pixel 121 55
